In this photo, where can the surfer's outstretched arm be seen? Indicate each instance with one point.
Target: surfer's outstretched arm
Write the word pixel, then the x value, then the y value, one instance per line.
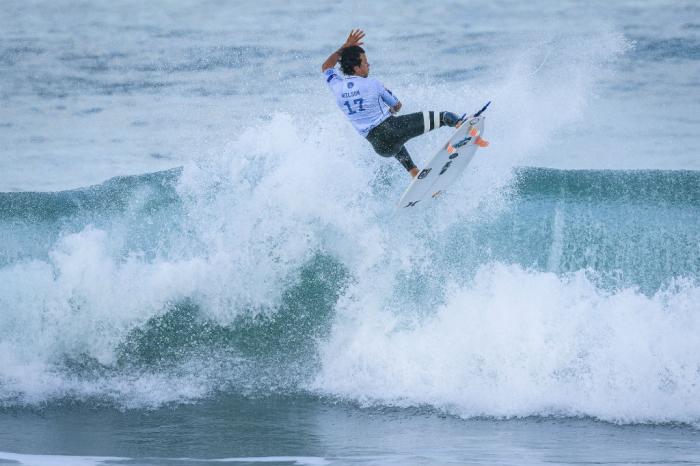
pixel 355 38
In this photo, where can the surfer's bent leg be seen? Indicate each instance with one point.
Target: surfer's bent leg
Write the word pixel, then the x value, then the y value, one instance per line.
pixel 405 159
pixel 389 137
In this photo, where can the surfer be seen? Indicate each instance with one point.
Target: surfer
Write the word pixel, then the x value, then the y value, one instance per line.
pixel 371 107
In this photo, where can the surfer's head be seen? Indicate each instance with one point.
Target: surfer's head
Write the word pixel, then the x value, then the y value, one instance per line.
pixel 353 61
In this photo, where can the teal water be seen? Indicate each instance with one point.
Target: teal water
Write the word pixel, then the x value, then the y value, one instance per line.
pixel 286 431
pixel 638 228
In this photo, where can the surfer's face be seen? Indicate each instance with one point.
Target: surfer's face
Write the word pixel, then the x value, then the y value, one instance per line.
pixel 363 69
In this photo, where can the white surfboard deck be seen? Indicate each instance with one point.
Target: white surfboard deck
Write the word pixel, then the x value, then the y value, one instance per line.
pixel 445 167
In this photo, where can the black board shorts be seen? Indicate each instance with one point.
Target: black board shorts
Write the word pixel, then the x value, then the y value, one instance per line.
pixel 389 137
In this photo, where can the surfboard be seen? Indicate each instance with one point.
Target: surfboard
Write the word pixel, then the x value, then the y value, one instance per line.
pixel 447 165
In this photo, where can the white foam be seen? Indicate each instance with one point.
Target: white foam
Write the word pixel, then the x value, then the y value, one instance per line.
pixel 58 460
pixel 302 460
pixel 62 460
pixel 520 343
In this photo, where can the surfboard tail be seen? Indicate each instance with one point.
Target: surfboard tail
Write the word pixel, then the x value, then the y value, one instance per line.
pixel 482 109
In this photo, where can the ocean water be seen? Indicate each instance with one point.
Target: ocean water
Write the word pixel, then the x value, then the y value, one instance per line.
pixel 201 262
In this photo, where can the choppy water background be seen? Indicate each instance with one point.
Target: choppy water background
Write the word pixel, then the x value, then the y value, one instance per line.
pixel 199 251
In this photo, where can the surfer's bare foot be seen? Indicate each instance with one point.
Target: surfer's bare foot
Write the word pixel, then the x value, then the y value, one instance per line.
pixel 413 172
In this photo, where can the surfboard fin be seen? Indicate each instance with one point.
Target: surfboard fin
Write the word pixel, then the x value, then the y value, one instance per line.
pixel 477 139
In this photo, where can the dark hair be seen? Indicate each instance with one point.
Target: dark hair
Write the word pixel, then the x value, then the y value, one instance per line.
pixel 350 58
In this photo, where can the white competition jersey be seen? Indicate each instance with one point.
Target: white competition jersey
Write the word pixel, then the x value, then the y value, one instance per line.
pixel 365 101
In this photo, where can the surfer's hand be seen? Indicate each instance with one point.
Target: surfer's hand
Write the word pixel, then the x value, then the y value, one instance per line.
pixel 395 108
pixel 355 38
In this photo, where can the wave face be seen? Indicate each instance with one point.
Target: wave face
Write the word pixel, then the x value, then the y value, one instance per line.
pixel 573 293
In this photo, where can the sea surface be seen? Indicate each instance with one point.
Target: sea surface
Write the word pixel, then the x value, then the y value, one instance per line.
pixel 202 263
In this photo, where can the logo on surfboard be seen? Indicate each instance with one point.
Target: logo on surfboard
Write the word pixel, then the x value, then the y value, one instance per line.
pixel 445 167
pixel 424 173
